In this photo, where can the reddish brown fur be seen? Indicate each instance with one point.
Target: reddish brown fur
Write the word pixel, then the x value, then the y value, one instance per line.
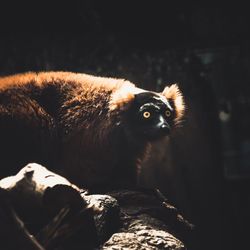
pixel 68 121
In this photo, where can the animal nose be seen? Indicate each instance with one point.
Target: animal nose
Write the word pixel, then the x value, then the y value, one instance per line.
pixel 165 128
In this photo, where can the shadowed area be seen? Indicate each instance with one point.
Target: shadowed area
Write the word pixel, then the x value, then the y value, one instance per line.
pixel 203 168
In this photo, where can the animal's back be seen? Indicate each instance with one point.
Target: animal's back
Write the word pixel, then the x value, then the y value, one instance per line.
pixel 58 119
pixel 93 130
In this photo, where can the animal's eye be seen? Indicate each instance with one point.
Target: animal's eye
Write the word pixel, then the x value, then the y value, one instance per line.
pixel 146 114
pixel 167 113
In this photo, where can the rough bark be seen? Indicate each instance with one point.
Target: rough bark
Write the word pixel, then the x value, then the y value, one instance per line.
pixel 65 217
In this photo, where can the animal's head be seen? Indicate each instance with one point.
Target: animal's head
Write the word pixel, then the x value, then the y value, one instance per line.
pixel 151 115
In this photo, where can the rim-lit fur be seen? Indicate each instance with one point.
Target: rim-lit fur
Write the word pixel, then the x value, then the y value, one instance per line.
pixel 78 115
pixel 174 94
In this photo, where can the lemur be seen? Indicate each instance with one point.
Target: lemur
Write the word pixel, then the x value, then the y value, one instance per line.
pixel 92 130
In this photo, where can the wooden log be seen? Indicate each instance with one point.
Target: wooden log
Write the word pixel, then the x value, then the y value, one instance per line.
pixel 37 193
pixel 149 221
pixel 13 233
pixel 66 217
pixel 52 208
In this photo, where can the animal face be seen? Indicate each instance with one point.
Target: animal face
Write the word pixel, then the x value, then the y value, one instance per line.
pixel 152 116
pixel 148 115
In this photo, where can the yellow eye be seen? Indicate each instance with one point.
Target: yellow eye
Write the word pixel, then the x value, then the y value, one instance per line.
pixel 167 113
pixel 146 114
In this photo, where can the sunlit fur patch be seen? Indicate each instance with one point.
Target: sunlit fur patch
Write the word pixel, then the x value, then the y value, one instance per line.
pixel 123 96
pixel 174 94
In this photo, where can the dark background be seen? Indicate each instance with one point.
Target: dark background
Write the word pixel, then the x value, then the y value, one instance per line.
pixel 203 168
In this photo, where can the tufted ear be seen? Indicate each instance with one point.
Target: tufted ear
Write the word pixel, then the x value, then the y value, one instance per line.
pixel 174 95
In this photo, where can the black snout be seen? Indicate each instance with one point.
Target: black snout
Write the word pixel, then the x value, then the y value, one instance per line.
pixel 165 128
